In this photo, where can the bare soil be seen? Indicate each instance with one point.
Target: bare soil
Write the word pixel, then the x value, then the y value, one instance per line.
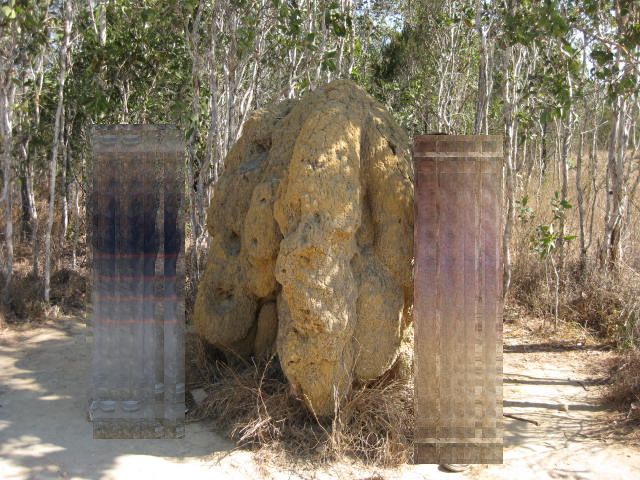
pixel 555 381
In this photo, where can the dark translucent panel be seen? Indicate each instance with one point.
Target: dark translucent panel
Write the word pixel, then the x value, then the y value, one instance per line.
pixel 137 257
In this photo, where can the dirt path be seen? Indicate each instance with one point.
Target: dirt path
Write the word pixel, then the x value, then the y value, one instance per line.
pixel 44 434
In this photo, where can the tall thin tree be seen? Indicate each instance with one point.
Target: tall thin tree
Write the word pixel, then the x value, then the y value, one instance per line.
pixel 57 137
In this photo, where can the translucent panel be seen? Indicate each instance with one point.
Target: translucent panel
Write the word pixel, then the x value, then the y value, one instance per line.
pixel 136 243
pixel 458 299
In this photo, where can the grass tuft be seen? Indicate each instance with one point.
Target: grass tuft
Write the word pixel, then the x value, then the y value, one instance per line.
pixel 253 404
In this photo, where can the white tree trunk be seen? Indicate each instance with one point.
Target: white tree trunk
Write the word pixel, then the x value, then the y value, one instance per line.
pixel 567 133
pixel 27 197
pixel 485 75
pixel 192 161
pixel 580 201
pixel 213 134
pixel 513 67
pixel 7 98
pixel 65 184
pixel 57 130
pixel 614 215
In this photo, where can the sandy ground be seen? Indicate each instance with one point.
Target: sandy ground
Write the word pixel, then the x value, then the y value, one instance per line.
pixel 44 433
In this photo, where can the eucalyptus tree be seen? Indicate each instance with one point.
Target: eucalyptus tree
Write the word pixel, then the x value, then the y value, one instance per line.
pixel 569 35
pixel 29 143
pixel 542 30
pixel 130 65
pixel 21 37
pixel 485 24
pixel 10 53
pixel 612 27
pixel 540 76
pixel 514 62
pixel 426 70
pixel 608 30
pixel 447 46
pixel 193 31
pixel 67 19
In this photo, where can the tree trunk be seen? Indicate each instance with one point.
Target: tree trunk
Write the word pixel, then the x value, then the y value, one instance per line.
pixel 78 220
pixel 192 162
pixel 545 149
pixel 231 65
pixel 7 104
pixel 99 24
pixel 593 168
pixel 485 79
pixel 615 186
pixel 7 98
pixel 35 240
pixel 27 197
pixel 509 114
pixel 213 153
pixel 65 183
pixel 580 200
pixel 566 127
pixel 53 163
pixel 530 162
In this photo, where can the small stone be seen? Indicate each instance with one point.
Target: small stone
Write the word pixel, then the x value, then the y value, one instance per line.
pixel 199 395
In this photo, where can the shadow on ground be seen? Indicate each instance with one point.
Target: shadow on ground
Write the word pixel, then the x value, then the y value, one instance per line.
pixel 44 432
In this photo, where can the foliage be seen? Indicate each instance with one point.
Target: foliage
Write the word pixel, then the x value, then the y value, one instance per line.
pixel 525 212
pixel 547 236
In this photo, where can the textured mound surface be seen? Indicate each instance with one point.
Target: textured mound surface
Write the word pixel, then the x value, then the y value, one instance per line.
pixel 312 237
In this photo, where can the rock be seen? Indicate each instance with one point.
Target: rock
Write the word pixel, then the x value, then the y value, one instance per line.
pixel 312 244
pixel 199 395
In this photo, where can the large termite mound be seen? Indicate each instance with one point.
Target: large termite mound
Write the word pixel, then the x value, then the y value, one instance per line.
pixel 311 248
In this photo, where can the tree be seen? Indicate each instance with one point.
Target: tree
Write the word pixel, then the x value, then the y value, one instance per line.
pixel 57 136
pixel 21 35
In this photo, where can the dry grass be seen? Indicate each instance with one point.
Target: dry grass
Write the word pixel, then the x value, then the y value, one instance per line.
pixel 624 390
pixel 69 284
pixel 68 294
pixel 376 422
pixel 200 360
pixel 253 404
pixel 606 303
pixel 26 297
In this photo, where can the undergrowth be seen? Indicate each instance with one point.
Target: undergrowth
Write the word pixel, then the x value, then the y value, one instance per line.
pixel 559 286
pixel 254 405
pixel 624 390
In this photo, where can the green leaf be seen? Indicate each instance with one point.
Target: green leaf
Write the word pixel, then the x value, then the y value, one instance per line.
pixel 331 54
pixel 8 12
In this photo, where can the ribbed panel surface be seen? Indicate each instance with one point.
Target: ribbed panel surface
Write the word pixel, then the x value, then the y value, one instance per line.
pixel 137 256
pixel 458 299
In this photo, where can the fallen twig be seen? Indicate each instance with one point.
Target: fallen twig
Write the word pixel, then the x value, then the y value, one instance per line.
pixel 522 419
pixel 580 383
